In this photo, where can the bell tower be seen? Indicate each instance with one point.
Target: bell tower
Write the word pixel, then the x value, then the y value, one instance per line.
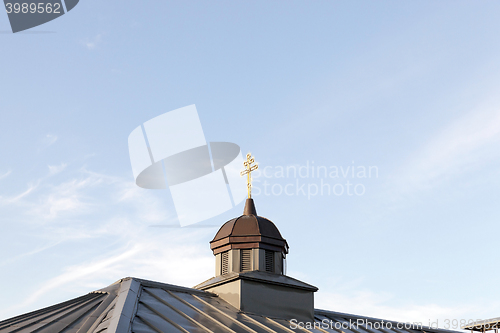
pixel 249 266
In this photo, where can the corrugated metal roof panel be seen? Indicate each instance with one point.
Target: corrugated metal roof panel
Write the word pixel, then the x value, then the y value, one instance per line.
pixel 57 318
pixel 140 306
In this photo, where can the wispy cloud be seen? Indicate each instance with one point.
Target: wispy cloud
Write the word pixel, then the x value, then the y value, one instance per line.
pixel 50 139
pixel 24 194
pixel 108 218
pixel 77 272
pixel 464 145
pixel 151 208
pixel 69 196
pixel 375 305
pixel 29 253
pixel 5 175
pixel 80 192
pixel 146 256
pixel 47 141
pixel 92 43
pixel 55 169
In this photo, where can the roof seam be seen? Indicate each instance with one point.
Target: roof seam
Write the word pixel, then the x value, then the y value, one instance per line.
pixel 150 325
pixel 257 323
pixel 224 314
pixel 182 314
pixel 283 326
pixel 336 329
pixel 45 316
pixel 173 323
pixel 91 309
pixel 108 304
pixel 198 310
pixel 33 314
pixel 63 315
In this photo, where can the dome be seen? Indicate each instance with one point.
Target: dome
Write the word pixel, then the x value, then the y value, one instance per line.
pixel 247 232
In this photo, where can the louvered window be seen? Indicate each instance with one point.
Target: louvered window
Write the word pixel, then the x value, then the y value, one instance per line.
pixel 269 261
pixel 225 262
pixel 245 260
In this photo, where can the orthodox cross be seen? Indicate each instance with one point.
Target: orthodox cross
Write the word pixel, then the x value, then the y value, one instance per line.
pixel 248 169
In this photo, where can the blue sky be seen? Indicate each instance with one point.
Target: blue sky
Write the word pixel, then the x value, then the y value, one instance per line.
pixel 410 88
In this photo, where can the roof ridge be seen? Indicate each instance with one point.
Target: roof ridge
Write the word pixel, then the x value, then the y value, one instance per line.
pixel 155 284
pixel 128 298
pixel 234 224
pixel 125 305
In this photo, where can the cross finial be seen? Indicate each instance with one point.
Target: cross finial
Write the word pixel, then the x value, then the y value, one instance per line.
pixel 248 169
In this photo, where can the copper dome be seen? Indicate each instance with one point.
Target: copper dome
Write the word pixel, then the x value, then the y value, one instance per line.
pixel 247 232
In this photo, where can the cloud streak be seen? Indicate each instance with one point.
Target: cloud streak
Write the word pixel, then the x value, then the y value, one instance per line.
pixel 99 223
pixel 55 169
pixel 5 175
pixel 77 272
pixel 30 253
pixel 375 305
pixel 91 44
pixel 49 140
pixel 146 255
pixel 464 145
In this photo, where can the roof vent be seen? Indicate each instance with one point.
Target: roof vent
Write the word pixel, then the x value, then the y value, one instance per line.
pixel 246 260
pixel 269 261
pixel 225 262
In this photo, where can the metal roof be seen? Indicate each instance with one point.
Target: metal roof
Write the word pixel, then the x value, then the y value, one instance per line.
pixel 141 306
pixel 483 325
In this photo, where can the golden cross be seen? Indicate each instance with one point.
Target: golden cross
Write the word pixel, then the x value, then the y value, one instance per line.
pixel 248 169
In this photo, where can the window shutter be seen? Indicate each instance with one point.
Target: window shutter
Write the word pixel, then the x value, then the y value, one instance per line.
pixel 245 260
pixel 225 262
pixel 269 257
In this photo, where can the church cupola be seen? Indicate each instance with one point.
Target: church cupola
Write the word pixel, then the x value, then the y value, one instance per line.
pixel 249 243
pixel 250 266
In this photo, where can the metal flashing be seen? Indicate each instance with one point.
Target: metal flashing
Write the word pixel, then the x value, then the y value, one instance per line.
pixel 257 276
pixel 125 306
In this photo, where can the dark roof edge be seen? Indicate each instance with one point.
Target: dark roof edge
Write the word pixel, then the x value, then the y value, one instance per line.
pixel 257 276
pixel 249 235
pixel 128 297
pixel 349 315
pixel 155 284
